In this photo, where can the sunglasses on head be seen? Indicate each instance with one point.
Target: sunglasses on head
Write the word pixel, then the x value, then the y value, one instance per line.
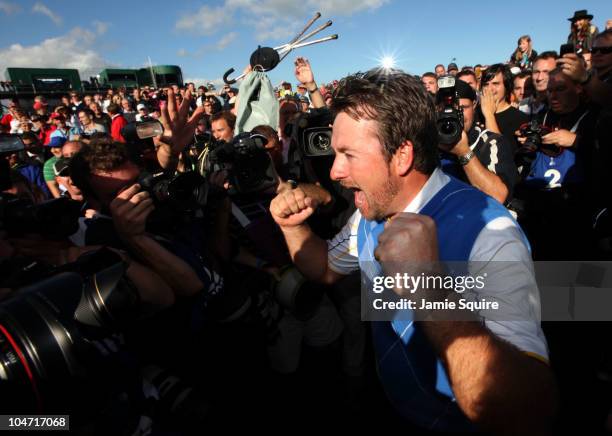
pixel 601 50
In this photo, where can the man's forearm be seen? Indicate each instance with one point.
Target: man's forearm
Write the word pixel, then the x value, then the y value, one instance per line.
pixel 485 180
pixel 496 385
pixel 308 251
pixel 315 95
pixel 151 287
pixel 53 188
pixel 175 271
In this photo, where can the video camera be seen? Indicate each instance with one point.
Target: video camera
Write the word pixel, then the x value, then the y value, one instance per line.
pixel 450 115
pixel 249 166
pixel 314 134
pixel 310 153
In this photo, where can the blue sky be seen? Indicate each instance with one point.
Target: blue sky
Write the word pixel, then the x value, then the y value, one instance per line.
pixel 206 38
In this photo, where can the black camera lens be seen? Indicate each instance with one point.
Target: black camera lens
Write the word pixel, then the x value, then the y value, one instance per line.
pixel 449 129
pixel 45 333
pixel 318 141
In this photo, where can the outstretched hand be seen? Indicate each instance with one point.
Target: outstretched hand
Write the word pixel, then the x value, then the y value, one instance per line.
pixel 303 72
pixel 179 127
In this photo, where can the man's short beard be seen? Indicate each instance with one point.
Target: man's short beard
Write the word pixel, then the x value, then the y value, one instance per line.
pixel 380 205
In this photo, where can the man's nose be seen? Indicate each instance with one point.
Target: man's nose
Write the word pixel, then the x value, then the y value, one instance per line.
pixel 337 172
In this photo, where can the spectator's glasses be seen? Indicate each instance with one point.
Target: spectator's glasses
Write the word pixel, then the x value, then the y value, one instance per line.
pixel 601 50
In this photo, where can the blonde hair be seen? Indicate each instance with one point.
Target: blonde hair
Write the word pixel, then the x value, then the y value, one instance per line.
pixel 518 55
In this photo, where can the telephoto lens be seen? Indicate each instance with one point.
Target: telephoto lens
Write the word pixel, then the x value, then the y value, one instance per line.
pixel 50 358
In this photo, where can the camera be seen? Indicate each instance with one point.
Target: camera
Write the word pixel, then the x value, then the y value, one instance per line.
pixel 9 144
pixel 310 153
pixel 533 132
pixel 54 218
pixel 314 134
pixel 183 192
pixel 48 359
pixel 296 294
pixel 247 162
pixel 450 115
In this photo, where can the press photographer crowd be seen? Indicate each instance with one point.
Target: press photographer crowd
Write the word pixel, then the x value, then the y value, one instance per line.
pixel 179 259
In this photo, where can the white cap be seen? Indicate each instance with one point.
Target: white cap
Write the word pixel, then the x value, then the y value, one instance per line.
pixel 140 106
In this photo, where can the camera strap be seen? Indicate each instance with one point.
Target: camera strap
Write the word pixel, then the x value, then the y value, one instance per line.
pixel 240 216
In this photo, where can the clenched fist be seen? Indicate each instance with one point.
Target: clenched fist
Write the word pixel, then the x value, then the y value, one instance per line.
pixel 291 207
pixel 409 240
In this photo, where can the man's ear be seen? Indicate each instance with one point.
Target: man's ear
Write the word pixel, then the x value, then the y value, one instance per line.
pixel 404 158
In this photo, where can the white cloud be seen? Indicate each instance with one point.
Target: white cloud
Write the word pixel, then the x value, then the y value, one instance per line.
pixel 42 9
pixel 271 19
pixel 9 8
pixel 181 52
pixel 72 50
pixel 226 40
pixel 205 21
pixel 100 26
pixel 345 7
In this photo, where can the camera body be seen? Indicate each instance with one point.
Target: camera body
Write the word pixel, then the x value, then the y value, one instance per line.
pixel 449 121
pixel 183 192
pixel 533 132
pixel 249 166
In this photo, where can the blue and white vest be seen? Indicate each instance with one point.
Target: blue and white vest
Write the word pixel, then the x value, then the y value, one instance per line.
pixel 414 378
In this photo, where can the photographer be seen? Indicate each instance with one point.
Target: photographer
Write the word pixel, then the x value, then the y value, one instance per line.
pixel 597 83
pixel 246 236
pixel 556 161
pixel 482 158
pixel 106 175
pixel 222 125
